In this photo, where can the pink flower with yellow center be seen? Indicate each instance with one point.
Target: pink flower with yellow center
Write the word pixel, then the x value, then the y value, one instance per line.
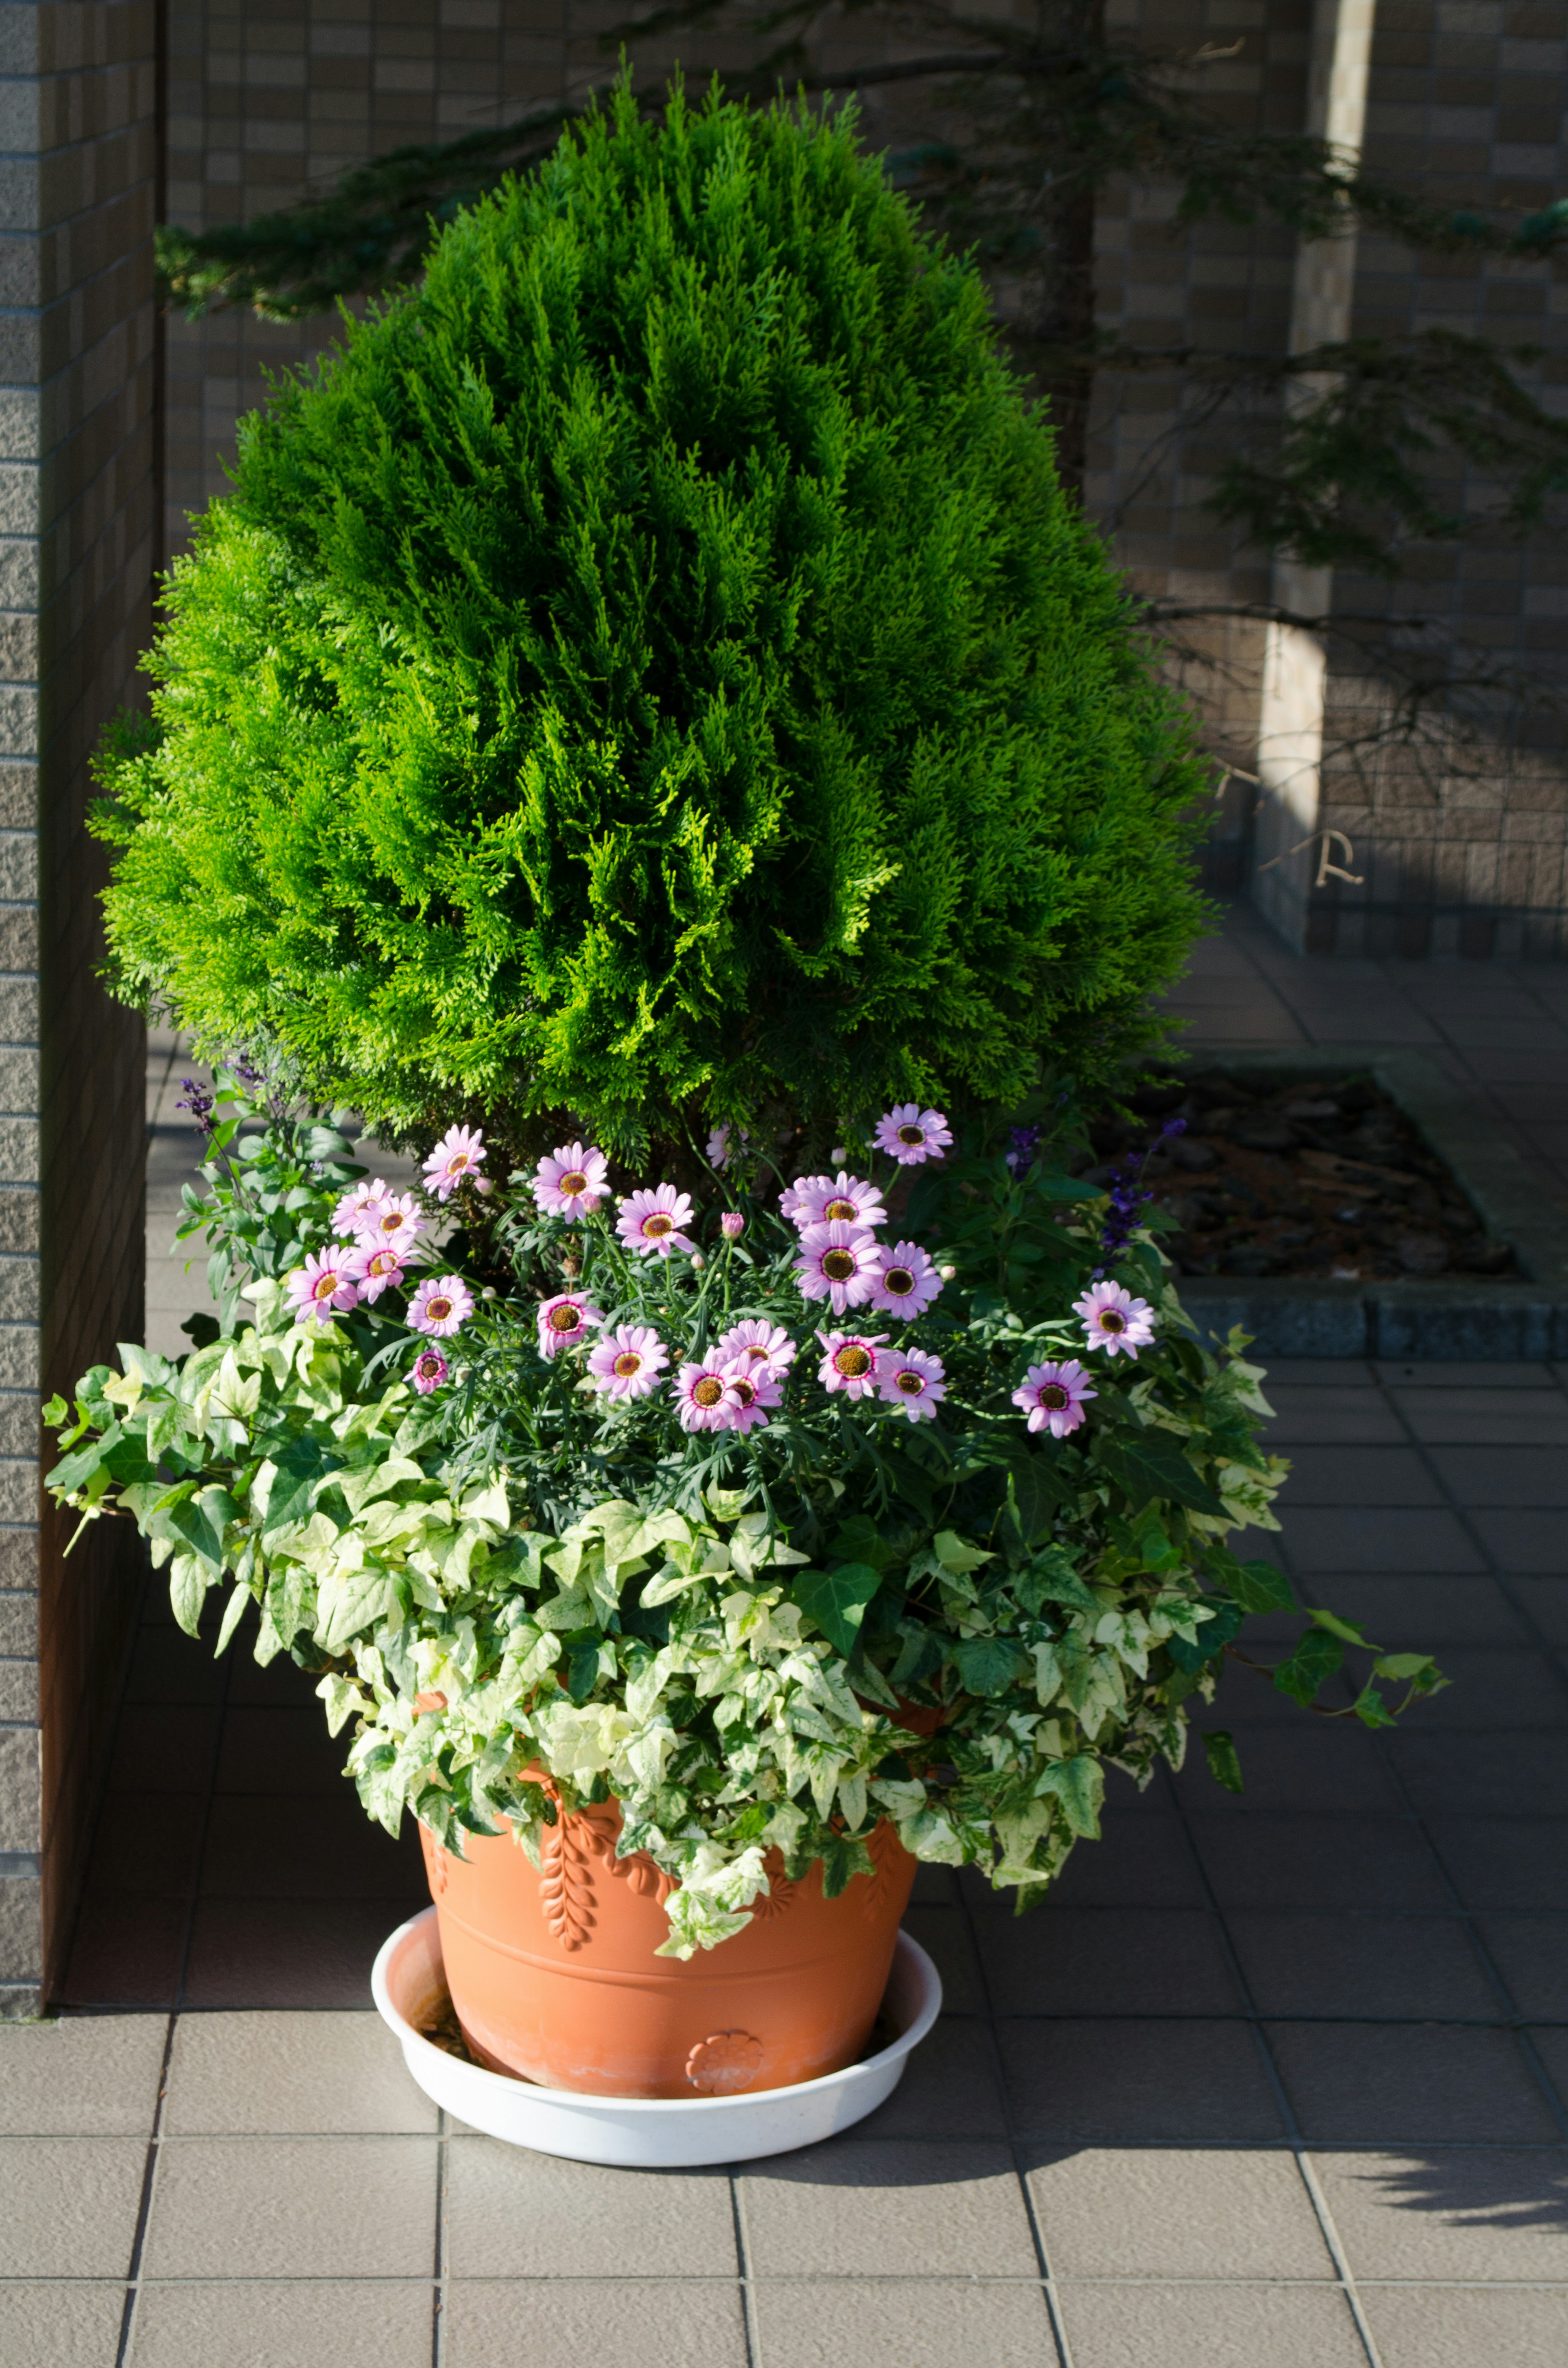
pixel 758 1392
pixel 323 1285
pixel 571 1182
pixel 652 1224
pixel 429 1371
pixel 850 1363
pixel 724 1141
pixel 396 1225
pixel 904 1282
pixel 837 1262
pixel 440 1305
pixel 1114 1320
pixel 1052 1396
pixel 840 1200
pixel 911 1134
pixel 564 1320
pixel 910 1378
pixel 627 1364
pixel 706 1397
pixel 359 1209
pixel 459 1153
pixel 376 1269
pixel 759 1343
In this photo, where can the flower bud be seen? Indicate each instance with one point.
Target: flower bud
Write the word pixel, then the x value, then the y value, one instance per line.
pixel 946 1272
pixel 489 1292
pixel 698 1261
pixel 482 1184
pixel 839 1155
pixel 731 1225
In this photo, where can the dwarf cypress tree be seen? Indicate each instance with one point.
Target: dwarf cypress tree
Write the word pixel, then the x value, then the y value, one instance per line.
pixel 651 672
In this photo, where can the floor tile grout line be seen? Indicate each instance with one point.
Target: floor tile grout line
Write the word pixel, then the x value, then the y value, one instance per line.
pixel 1539 2074
pixel 1305 2169
pixel 438 2284
pixel 1003 2089
pixel 145 2206
pixel 751 2329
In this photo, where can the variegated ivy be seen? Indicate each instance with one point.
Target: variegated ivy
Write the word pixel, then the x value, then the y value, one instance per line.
pixel 739 1640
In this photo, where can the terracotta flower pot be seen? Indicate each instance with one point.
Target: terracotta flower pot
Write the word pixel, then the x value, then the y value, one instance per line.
pixel 553 1976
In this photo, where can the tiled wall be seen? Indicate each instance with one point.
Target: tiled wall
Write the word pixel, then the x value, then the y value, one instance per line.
pixel 77 169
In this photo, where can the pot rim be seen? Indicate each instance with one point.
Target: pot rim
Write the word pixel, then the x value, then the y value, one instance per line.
pixel 906 1950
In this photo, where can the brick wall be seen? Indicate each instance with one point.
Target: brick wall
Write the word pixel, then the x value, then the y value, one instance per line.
pixel 77 170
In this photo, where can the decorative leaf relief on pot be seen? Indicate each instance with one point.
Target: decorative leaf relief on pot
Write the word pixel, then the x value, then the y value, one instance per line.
pixel 601 1823
pixel 723 2063
pixel 435 1867
pixel 566 1885
pixel 880 1842
pixel 780 1891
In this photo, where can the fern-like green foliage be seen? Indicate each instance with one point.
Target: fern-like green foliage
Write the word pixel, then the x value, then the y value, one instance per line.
pixel 651 673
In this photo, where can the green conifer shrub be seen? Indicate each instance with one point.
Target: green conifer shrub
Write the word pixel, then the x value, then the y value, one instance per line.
pixel 651 671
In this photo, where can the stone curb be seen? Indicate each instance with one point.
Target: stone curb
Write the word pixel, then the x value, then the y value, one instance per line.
pixel 1524 1320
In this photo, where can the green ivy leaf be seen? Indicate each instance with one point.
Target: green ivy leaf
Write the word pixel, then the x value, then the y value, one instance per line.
pixel 1220 1750
pixel 987 1665
pixel 1315 1659
pixel 1149 1473
pixel 1051 1578
pixel 1258 1586
pixel 300 1465
pixel 1079 1784
pixel 1345 1629
pixel 581 1664
pixel 835 1601
pixel 1213 1635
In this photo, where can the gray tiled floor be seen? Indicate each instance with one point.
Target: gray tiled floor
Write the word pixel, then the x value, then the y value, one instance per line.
pixel 1275 2082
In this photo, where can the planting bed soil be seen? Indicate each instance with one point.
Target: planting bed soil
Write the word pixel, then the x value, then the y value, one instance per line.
pixel 1310 1179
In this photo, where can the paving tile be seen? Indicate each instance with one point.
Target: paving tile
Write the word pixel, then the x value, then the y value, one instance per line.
pixel 272 1751
pixel 596 2323
pixel 126 1953
pixel 293 2208
pixel 935 1886
pixel 896 2322
pixel 949 2088
pixel 1524 1538
pixel 1459 2213
pixel 1505 1862
pixel 83 2076
pixel 1531 1954
pixel 1423 1614
pixel 1280 1862
pixel 362 2324
pixel 1359 1475
pixel 887 2208
pixel 280 1685
pixel 1544 1603
pixel 1491 1774
pixel 146 1844
pixel 1373 1538
pixel 164 1747
pixel 1321 1374
pixel 1496 1686
pixel 1309 1766
pixel 167 1666
pixel 1410 2084
pixel 511 2213
pixel 289 2074
pixel 1172 2212
pixel 1108 1961
pixel 1494 1474
pixel 289 1952
pixel 1417 1966
pixel 61 2325
pixel 944 1934
pixel 1137 2082
pixel 1485 1417
pixel 69 2206
pixel 1551 2046
pixel 1196 2325
pixel 335 1853
pixel 1138 1862
pixel 1360 1417
pixel 1461 2326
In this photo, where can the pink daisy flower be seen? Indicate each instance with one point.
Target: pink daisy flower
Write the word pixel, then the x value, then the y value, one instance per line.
pixel 360 1208
pixel 837 1262
pixel 324 1283
pixel 904 1281
pixel 396 1225
pixel 375 1269
pixel 720 1141
pixel 758 1392
pixel 651 1222
pixel 440 1305
pixel 759 1343
pixel 850 1363
pixel 910 1378
pixel 429 1371
pixel 570 1182
pixel 566 1319
pixel 627 1364
pixel 706 1395
pixel 911 1134
pixel 839 1200
pixel 1052 1396
pixel 459 1153
pixel 1114 1320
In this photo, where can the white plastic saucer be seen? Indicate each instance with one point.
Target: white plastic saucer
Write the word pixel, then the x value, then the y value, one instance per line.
pixel 646 2133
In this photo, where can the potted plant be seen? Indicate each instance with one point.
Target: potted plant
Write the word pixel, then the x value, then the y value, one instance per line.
pixel 644 722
